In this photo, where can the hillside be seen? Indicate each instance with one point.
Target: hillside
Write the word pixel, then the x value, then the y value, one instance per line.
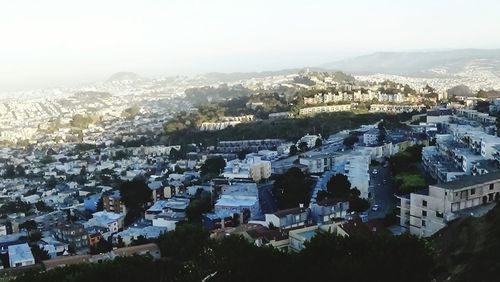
pixel 469 249
pixel 428 64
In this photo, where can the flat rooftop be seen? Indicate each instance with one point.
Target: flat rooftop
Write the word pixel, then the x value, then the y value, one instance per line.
pixel 467 181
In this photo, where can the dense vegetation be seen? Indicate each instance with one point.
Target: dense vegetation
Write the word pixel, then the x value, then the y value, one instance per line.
pixel 404 167
pixel 339 187
pixel 189 255
pixel 290 129
pixel 292 188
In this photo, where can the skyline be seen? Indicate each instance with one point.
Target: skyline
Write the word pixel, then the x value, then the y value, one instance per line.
pixel 54 43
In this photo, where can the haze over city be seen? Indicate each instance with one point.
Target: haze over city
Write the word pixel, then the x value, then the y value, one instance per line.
pixel 66 43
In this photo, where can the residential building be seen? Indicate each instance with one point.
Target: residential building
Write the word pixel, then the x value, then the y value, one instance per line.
pixel 252 167
pixel 309 139
pixel 329 210
pixel 325 109
pixel 20 255
pixel 371 137
pixel 111 202
pixel 241 199
pixel 289 218
pixel 113 221
pixel 396 108
pixel 174 204
pixel 72 233
pixel 426 212
pixel 316 162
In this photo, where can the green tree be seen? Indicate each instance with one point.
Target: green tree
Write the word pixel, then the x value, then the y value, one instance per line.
pixel 213 166
pixel 318 143
pixel 350 140
pixel 197 208
pixel 39 254
pixel 42 207
pixel 303 146
pixel 10 171
pixel 292 188
pixel 101 247
pixel 134 194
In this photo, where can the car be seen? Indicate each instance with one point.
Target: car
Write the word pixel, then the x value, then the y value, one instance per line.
pixel 375 207
pixel 375 171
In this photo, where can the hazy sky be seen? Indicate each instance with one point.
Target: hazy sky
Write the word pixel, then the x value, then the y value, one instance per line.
pixel 65 42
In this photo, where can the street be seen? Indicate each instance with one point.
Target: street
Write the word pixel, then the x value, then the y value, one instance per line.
pixel 382 194
pixel 266 198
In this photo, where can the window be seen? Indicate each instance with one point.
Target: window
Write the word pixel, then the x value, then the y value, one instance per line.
pixel 492 185
pixel 424 203
pixel 424 213
pixel 423 223
pixel 439 214
pixel 472 191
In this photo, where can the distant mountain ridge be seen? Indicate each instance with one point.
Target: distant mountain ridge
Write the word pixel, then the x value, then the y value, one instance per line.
pixel 434 63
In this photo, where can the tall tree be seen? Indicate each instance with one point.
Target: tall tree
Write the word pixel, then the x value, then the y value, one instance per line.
pixel 292 189
pixel 213 166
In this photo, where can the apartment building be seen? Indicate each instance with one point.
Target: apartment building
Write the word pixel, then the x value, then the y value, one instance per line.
pixel 396 108
pixel 252 167
pixel 428 211
pixel 325 109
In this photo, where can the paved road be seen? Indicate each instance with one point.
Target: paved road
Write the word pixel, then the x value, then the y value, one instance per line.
pixel 382 192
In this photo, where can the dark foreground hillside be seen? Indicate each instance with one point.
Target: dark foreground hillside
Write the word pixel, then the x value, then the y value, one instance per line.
pixel 469 249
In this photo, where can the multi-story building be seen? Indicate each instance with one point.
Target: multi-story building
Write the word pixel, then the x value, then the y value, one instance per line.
pixel 251 145
pixel 74 234
pixel 371 137
pixel 113 221
pixel 241 199
pixel 316 162
pixel 328 210
pixel 326 109
pixel 111 202
pixel 289 218
pixel 252 167
pixel 426 212
pixel 396 108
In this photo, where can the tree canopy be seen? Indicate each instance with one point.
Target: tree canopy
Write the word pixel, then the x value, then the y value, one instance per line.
pixel 292 188
pixel 213 166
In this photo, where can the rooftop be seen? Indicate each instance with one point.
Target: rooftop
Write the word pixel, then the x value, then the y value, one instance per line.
pixel 20 252
pixel 286 212
pixel 467 181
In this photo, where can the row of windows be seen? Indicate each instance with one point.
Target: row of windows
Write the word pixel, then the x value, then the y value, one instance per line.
pixel 438 214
